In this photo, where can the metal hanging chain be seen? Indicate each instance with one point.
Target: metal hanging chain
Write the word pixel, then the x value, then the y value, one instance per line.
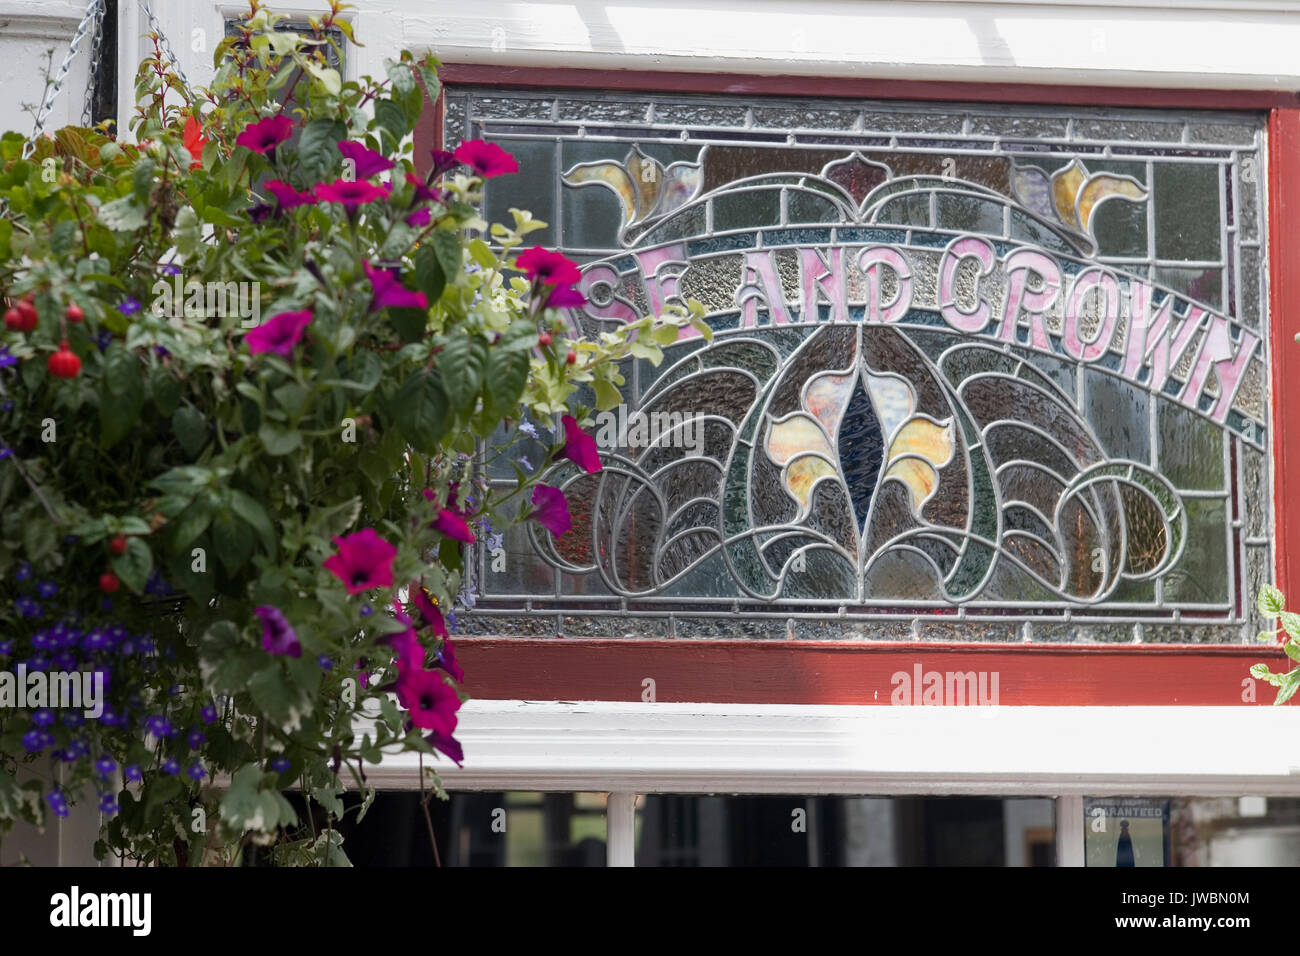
pixel 52 90
pixel 96 50
pixel 167 49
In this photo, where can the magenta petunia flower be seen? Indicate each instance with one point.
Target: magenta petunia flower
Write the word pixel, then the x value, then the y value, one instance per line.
pixel 422 192
pixel 428 610
pixel 447 661
pixel 579 447
pixel 349 194
pixel 389 291
pixel 277 636
pixel 288 197
pixel 366 161
pixel 279 334
pixel 551 510
pixel 453 526
pixel 442 161
pixel 548 268
pixel 564 297
pixel 431 701
pixel 486 159
pixel 420 218
pixel 410 652
pixel 448 745
pixel 364 560
pixel 266 133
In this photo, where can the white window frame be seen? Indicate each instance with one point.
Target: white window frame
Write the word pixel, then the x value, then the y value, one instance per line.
pixel 626 749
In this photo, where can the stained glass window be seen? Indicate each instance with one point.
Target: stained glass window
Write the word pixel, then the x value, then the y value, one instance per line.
pixel 979 373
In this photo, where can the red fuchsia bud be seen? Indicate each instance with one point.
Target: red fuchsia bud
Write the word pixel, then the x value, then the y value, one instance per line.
pixel 571 358
pixel 74 313
pixel 64 363
pixel 108 582
pixel 27 317
pixel 117 544
pixel 544 339
pixel 13 321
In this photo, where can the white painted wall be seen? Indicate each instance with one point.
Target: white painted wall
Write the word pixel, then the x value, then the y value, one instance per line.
pixel 27 29
pixel 1247 44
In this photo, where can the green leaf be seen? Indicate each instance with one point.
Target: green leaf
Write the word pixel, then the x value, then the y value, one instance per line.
pixel 291 397
pixel 278 439
pixel 122 215
pixel 449 553
pixel 283 702
pixel 1292 650
pixel 39 537
pixel 142 180
pixel 188 232
pixel 164 390
pixel 242 807
pixel 233 540
pixel 1271 601
pixel 521 336
pixel 328 798
pixel 226 662
pixel 1290 623
pixel 410 323
pixel 121 395
pixel 420 411
pixel 482 253
pixel 607 396
pixel 391 118
pixel 255 516
pixel 651 353
pixel 446 246
pixel 665 334
pixel 432 85
pixel 429 277
pixel 507 374
pixel 191 429
pixel 327 76
pixel 401 76
pixel 461 363
pixel 1290 684
pixel 133 566
pixel 335 520
pixel 317 148
pixel 193 521
pixel 1262 672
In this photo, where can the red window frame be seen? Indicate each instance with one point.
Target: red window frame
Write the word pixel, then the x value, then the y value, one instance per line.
pixel 778 671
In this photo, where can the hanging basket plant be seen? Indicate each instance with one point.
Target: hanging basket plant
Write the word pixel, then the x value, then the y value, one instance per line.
pixel 249 367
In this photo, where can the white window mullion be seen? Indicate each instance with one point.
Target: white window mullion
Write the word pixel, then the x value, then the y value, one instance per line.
pixel 1069 831
pixel 620 830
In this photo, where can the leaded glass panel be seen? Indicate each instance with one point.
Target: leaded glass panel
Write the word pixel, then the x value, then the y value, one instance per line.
pixel 978 373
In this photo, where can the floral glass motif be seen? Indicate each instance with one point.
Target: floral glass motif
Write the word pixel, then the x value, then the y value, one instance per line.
pixel 976 374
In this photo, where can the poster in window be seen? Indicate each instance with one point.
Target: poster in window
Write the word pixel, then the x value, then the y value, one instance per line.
pixel 1126 832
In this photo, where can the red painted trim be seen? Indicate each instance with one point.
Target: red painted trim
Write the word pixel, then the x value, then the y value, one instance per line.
pixel 814 672
pixel 428 131
pixel 794 672
pixel 862 87
pixel 1284 308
